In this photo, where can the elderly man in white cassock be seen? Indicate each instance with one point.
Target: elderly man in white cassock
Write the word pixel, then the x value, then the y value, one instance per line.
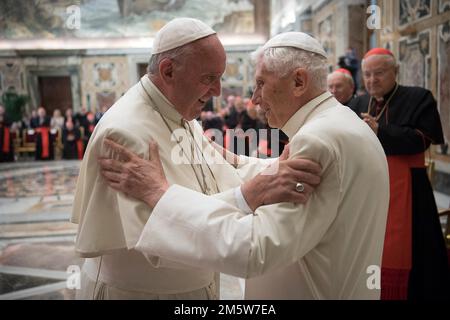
pixel 328 248
pixel 185 69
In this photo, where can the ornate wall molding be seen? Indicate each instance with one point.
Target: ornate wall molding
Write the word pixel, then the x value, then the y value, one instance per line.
pixel 412 11
pixel 414 60
pixel 444 6
pixel 443 81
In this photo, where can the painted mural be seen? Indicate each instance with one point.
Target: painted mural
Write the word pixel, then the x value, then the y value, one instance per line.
pixel 12 82
pixel 238 76
pixel 444 6
pixel 327 37
pixel 102 85
pixel 413 10
pixel 444 80
pixel 413 58
pixel 10 76
pixel 117 18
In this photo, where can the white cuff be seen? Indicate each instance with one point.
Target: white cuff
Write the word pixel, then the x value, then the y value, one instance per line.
pixel 241 202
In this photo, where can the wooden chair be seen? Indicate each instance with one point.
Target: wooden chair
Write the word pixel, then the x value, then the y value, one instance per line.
pixel 26 144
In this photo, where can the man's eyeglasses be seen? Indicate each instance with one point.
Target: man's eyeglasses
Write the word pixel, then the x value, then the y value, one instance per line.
pixel 376 74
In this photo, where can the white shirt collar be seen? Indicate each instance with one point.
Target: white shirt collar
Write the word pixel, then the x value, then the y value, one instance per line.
pixel 291 127
pixel 158 101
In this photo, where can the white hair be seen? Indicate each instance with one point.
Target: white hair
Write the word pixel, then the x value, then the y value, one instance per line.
pixel 282 60
pixel 388 59
pixel 346 76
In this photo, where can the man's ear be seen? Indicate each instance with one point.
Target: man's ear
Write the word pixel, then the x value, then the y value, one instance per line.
pixel 166 69
pixel 301 80
pixel 397 70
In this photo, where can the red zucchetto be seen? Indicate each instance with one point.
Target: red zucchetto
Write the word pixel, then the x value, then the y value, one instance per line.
pixel 378 51
pixel 344 71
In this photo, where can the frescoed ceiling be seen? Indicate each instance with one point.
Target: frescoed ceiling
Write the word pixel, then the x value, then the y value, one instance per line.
pixel 49 19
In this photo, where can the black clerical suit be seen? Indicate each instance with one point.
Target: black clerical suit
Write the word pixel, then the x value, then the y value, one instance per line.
pixel 414 250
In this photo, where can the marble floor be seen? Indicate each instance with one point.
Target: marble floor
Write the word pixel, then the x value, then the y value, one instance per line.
pixel 36 237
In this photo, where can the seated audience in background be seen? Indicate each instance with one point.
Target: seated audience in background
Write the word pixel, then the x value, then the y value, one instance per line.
pixel 72 145
pixel 6 142
pixel 57 121
pixel 44 138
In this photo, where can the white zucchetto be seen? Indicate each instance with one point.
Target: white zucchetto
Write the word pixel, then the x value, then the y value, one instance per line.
pixel 298 40
pixel 178 32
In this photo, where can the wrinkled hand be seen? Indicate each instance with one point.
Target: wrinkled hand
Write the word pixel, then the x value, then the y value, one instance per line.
pixel 371 121
pixel 285 154
pixel 138 178
pixel 279 185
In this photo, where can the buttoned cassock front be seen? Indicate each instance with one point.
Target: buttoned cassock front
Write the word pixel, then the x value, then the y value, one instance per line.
pixel 325 249
pixel 111 223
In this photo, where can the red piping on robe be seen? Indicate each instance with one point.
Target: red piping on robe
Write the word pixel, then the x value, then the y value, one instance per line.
pixel 80 149
pixel 45 133
pixel 397 251
pixel 6 140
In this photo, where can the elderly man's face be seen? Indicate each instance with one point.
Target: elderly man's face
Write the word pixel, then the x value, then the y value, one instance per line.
pixel 274 95
pixel 41 112
pixel 379 75
pixel 340 86
pixel 198 79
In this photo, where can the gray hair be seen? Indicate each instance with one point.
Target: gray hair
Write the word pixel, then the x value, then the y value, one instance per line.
pixel 389 60
pixel 282 60
pixel 180 52
pixel 348 77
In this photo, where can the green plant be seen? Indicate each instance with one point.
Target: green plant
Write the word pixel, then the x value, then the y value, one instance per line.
pixel 14 104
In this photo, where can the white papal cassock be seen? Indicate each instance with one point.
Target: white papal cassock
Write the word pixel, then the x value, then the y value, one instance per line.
pixel 329 248
pixel 110 223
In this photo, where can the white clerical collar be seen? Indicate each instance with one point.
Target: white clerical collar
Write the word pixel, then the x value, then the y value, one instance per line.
pixel 162 104
pixel 298 119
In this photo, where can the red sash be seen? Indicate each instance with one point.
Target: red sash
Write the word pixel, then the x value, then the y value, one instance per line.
pixel 6 140
pixel 45 138
pixel 80 148
pixel 397 252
